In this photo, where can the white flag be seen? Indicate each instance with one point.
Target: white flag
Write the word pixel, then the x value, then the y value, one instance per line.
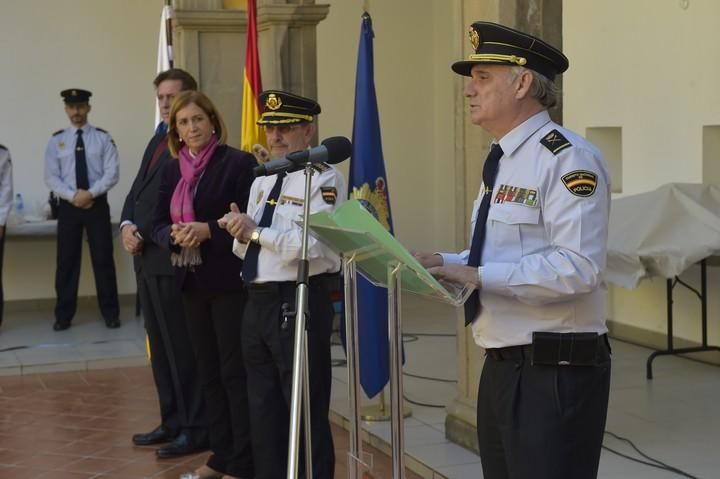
pixel 165 50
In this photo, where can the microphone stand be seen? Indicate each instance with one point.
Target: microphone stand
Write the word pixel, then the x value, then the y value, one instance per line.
pixel 300 353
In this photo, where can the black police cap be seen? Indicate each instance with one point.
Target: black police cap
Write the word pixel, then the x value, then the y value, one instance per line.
pixel 283 108
pixel 75 95
pixel 497 44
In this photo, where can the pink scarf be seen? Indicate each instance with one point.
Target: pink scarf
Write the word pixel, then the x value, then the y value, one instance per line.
pixel 181 203
pixel 191 169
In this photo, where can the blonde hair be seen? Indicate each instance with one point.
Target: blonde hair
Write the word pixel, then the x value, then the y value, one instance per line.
pixel 203 101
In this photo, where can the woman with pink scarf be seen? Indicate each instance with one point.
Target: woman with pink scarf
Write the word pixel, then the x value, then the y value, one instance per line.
pixel 196 190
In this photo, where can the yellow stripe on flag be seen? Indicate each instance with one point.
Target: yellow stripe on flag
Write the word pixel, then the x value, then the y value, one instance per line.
pixel 250 132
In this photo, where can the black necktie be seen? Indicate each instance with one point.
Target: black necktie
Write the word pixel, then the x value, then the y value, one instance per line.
pixel 472 305
pixel 250 263
pixel 81 173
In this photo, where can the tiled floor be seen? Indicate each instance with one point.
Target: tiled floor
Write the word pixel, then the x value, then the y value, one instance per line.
pixel 78 424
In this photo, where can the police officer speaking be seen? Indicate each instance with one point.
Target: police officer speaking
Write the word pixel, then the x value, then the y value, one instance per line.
pixel 536 259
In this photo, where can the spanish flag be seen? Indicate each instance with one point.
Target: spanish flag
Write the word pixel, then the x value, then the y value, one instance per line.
pixel 251 133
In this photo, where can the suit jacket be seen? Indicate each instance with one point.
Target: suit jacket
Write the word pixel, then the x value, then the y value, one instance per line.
pixel 139 208
pixel 227 178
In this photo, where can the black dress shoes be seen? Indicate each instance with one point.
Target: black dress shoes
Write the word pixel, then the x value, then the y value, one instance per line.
pixel 61 325
pixel 112 323
pixel 158 435
pixel 183 445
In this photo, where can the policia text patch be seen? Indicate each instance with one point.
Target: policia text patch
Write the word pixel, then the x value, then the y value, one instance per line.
pixel 580 182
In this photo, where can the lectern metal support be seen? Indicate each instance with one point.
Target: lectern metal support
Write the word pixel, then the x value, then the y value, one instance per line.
pixel 301 374
pixel 353 366
pixel 396 387
pixel 353 232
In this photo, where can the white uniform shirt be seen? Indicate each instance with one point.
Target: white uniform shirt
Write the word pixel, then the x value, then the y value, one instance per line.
pixel 281 241
pixel 6 185
pixel 100 154
pixel 545 247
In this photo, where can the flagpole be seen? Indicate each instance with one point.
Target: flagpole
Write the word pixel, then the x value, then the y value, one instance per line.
pixel 165 49
pixel 169 36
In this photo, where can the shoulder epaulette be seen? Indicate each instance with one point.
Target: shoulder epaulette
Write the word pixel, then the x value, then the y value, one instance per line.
pixel 321 167
pixel 555 142
pixel 100 129
pixel 58 132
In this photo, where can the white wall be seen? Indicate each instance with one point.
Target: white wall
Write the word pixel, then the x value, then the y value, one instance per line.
pixel 649 67
pixel 414 84
pixel 109 47
pixel 106 46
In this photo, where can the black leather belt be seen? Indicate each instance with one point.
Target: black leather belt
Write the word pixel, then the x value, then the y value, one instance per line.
pixel 281 285
pixel 511 352
pixel 525 351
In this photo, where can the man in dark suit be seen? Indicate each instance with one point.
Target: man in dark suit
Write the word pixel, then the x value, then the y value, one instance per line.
pixel 172 360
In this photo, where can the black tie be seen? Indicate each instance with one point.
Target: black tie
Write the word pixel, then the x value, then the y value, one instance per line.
pixel 250 263
pixel 81 173
pixel 472 305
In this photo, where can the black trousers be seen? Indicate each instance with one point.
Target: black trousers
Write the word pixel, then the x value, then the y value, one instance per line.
pixel 71 223
pixel 215 323
pixel 2 293
pixel 171 356
pixel 542 422
pixel 268 344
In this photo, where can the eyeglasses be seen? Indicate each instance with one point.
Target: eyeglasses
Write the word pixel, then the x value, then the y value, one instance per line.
pixel 281 129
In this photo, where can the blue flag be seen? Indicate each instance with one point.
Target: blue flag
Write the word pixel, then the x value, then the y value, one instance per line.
pixel 368 184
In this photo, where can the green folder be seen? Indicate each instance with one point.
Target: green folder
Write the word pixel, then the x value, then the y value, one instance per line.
pixel 352 230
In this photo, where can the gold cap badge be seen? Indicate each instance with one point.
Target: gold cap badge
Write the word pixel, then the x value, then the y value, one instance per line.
pixel 273 102
pixel 474 38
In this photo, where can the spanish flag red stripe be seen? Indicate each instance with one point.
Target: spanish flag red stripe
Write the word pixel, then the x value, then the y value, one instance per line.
pixel 251 133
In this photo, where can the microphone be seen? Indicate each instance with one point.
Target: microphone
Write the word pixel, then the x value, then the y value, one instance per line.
pixel 332 150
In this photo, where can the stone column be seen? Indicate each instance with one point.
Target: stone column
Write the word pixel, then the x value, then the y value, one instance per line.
pixel 537 17
pixel 210 37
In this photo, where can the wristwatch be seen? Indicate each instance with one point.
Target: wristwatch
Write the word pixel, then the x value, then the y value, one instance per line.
pixel 255 236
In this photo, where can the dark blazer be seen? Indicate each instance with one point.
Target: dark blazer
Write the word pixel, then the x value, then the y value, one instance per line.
pixel 139 208
pixel 227 178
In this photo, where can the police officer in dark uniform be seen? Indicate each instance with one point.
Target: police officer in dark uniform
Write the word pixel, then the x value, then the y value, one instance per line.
pixel 269 240
pixel 183 422
pixel 81 165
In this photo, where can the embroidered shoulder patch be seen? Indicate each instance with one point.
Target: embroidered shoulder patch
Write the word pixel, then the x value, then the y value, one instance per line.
pixel 580 182
pixel 58 132
pixel 329 194
pixel 555 142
